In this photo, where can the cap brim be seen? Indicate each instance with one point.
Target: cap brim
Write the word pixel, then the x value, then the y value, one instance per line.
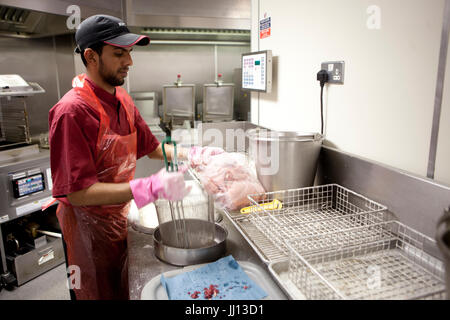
pixel 127 40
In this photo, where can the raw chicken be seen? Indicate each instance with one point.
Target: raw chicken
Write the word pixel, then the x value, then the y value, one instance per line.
pixel 199 156
pixel 229 179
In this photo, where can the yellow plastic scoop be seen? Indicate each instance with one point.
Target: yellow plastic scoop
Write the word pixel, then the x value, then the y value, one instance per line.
pixel 273 205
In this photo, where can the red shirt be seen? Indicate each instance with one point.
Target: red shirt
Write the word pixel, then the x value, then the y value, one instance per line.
pixel 73 132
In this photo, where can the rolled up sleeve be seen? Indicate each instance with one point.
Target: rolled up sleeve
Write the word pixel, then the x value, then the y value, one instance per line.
pixel 71 158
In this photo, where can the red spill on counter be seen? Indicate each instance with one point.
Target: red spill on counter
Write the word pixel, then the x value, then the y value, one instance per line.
pixel 210 292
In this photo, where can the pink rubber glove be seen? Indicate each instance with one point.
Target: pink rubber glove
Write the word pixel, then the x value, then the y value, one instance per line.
pixel 167 185
pixel 201 155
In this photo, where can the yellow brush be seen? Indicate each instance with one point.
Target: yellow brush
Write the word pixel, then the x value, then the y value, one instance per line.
pixel 273 205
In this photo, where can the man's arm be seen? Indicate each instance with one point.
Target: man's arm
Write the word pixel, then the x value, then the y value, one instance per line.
pixel 158 154
pixel 101 194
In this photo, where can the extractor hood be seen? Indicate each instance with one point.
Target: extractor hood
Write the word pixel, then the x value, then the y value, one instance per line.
pixel 196 20
pixel 24 23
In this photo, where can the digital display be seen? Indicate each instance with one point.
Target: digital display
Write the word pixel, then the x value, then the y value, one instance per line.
pixel 256 71
pixel 28 185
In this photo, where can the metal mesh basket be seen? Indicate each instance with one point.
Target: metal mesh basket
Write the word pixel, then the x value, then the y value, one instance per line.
pixel 387 260
pixel 314 210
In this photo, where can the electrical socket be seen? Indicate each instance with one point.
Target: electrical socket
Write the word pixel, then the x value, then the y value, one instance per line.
pixel 335 71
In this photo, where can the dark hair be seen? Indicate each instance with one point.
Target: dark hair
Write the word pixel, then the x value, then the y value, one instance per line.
pixel 97 47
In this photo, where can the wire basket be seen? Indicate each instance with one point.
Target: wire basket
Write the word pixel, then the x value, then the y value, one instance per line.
pixel 387 260
pixel 310 211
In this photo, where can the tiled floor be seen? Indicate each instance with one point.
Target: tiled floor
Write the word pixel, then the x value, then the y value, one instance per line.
pixel 48 286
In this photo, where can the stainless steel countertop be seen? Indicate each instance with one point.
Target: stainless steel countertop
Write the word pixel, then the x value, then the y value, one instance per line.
pixel 144 266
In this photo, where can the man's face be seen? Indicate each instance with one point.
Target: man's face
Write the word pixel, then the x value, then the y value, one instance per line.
pixel 114 63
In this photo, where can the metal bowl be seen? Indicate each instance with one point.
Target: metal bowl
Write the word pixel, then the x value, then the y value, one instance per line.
pixel 184 257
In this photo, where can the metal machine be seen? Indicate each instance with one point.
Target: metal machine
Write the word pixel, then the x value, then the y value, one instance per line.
pixel 218 101
pixel 178 103
pixel 14 125
pixel 147 104
pixel 30 242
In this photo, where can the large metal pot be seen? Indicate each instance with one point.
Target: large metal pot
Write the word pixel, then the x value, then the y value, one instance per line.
pixel 284 160
pixel 443 241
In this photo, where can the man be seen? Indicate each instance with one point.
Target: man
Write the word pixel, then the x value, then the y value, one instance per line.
pixel 96 134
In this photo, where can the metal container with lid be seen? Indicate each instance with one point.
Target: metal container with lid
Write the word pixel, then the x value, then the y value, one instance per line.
pixel 284 159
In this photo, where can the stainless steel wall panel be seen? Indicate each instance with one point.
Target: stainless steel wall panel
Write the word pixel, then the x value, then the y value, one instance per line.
pixel 416 201
pixel 226 14
pixel 199 8
pixel 64 62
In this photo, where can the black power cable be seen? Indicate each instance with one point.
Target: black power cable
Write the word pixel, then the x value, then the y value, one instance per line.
pixel 322 76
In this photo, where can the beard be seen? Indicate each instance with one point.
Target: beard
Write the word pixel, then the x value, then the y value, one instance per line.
pixel 109 76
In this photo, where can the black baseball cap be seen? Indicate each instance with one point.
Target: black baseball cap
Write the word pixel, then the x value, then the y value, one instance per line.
pixel 107 29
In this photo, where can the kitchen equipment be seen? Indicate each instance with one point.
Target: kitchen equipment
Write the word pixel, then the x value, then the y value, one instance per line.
pixel 12 243
pixel 443 241
pixel 25 185
pixel 197 254
pixel 387 260
pixel 33 229
pixel 305 211
pixel 174 215
pixel 178 104
pixel 40 241
pixel 154 290
pixel 195 206
pixel 147 104
pixel 284 160
pixel 143 220
pixel 218 102
pixel 242 98
pixel 14 124
pixel 175 208
pixel 280 272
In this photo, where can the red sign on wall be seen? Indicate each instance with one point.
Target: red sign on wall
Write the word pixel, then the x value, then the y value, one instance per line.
pixel 264 33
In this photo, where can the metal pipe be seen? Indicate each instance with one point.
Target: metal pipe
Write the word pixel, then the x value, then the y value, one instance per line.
pixel 439 90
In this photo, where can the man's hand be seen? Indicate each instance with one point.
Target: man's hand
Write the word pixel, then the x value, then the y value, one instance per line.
pixel 167 185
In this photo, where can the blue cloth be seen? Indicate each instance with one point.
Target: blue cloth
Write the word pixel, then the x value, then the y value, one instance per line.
pixel 231 281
